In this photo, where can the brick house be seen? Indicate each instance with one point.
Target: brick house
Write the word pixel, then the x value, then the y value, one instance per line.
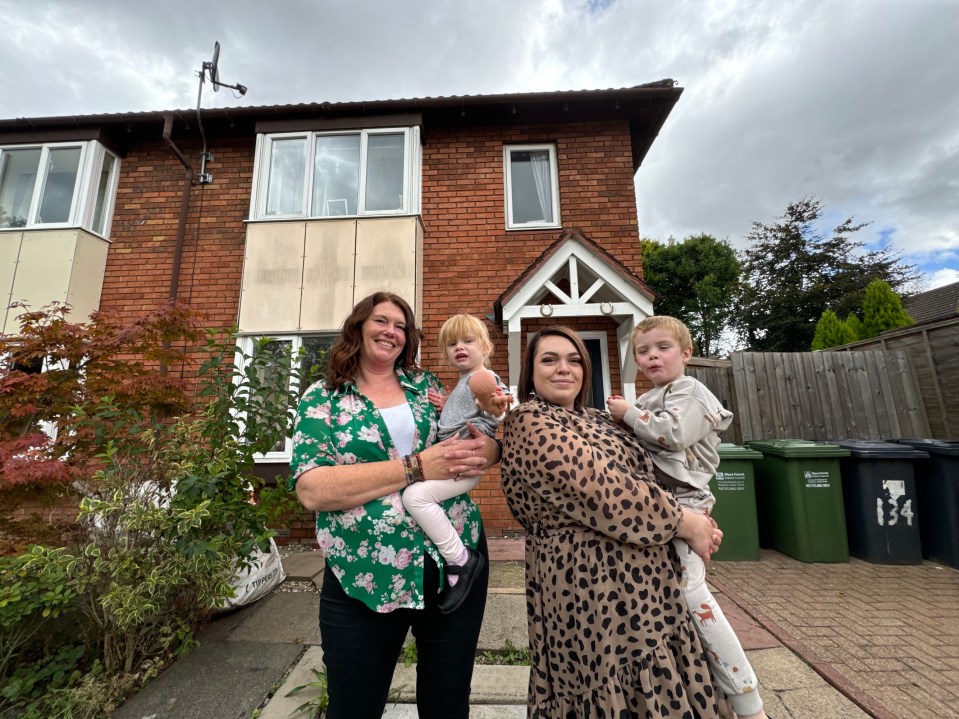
pixel 519 208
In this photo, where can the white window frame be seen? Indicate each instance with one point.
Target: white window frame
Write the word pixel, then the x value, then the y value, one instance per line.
pixel 554 186
pixel 83 201
pixel 412 158
pixel 245 347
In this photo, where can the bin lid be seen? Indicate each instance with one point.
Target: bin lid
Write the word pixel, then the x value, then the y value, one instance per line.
pixel 877 449
pixel 736 451
pixel 933 446
pixel 797 448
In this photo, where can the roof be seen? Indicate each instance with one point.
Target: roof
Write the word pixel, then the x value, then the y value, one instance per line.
pixel 938 304
pixel 644 106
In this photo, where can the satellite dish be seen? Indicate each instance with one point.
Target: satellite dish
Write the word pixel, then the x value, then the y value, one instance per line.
pixel 214 70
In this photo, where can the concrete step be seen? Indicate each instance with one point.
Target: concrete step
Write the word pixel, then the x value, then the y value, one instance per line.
pixel 494 687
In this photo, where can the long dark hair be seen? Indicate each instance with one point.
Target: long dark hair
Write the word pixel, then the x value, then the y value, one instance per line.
pixel 525 388
pixel 344 356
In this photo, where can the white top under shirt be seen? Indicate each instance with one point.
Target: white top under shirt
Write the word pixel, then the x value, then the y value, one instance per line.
pixel 400 425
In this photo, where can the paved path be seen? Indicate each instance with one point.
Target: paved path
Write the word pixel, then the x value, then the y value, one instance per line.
pixel 828 641
pixel 888 635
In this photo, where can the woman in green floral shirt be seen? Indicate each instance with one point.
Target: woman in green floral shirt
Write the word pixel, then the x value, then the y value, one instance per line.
pixel 362 436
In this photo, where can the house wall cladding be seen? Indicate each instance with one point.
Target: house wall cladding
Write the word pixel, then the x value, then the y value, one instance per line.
pixel 469 257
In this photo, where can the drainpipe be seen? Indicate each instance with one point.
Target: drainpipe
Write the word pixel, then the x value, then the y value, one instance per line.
pixel 181 227
pixel 184 206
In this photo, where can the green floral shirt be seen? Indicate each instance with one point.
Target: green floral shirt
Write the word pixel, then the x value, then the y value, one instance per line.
pixel 375 550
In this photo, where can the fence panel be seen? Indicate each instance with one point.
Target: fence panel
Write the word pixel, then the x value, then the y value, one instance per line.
pixel 933 352
pixel 817 395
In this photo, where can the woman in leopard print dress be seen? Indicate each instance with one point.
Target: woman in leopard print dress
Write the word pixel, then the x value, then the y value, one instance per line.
pixel 609 632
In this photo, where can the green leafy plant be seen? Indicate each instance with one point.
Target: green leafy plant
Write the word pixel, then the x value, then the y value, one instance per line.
pixel 409 654
pixel 511 655
pixel 316 705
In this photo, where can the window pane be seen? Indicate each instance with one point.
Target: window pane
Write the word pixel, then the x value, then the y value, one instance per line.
pixel 530 186
pixel 384 173
pixel 336 175
pixel 18 175
pixel 59 185
pixel 313 362
pixel 272 360
pixel 103 188
pixel 287 173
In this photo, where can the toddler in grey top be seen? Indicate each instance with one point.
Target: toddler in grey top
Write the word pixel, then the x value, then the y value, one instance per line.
pixel 467 345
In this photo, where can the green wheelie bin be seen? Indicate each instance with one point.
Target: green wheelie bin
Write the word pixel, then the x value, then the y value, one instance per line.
pixel 734 486
pixel 799 499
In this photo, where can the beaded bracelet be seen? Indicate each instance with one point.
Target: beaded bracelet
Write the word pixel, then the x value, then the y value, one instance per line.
pixel 417 468
pixel 408 469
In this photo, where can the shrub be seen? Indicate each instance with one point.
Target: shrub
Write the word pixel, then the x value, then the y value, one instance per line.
pixel 165 518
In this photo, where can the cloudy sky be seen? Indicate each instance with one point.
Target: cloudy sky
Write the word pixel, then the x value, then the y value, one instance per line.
pixel 855 102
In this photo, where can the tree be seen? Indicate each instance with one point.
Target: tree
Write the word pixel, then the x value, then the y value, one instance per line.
pixel 792 273
pixel 856 329
pixel 696 280
pixel 831 332
pixel 882 309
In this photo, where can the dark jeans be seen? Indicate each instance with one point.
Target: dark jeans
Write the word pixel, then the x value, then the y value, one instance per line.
pixel 361 648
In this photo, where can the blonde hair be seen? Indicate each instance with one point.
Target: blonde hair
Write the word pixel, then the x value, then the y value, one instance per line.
pixel 677 329
pixel 458 327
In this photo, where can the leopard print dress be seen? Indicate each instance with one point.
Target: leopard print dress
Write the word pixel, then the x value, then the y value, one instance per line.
pixel 609 632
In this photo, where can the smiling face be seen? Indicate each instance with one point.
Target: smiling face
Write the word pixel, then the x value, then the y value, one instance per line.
pixel 557 371
pixel 659 356
pixel 466 354
pixel 384 335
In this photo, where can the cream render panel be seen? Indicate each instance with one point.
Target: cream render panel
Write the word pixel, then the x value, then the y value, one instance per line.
pixel 306 276
pixel 328 267
pixel 9 251
pixel 386 257
pixel 86 282
pixel 43 266
pixel 272 277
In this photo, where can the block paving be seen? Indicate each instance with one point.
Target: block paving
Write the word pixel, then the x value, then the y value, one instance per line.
pixel 887 635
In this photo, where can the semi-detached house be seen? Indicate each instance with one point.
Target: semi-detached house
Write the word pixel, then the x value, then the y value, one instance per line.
pixel 518 208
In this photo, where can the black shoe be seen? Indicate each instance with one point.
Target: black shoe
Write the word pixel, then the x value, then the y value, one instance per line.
pixel 454 595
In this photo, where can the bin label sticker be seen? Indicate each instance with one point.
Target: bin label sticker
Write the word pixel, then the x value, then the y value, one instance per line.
pixel 816 480
pixel 731 481
pixel 891 504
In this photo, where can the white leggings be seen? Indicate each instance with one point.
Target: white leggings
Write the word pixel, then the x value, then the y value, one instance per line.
pixel 422 501
pixel 725 654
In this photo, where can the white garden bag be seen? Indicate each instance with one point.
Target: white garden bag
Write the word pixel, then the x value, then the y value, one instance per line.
pixel 264 573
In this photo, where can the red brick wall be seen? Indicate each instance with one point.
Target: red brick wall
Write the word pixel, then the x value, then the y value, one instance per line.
pixel 470 258
pixel 144 232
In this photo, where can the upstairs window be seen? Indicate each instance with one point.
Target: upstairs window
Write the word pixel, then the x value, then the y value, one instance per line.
pixel 57 185
pixel 532 188
pixel 337 174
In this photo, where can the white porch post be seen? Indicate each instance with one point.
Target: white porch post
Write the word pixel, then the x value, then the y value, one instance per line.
pixel 514 343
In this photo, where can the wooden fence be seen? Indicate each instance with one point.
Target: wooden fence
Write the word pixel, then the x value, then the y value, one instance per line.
pixel 933 351
pixel 817 395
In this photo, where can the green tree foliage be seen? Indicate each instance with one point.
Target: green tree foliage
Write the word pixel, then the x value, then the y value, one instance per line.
pixel 882 309
pixel 857 331
pixel 793 272
pixel 831 332
pixel 696 281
